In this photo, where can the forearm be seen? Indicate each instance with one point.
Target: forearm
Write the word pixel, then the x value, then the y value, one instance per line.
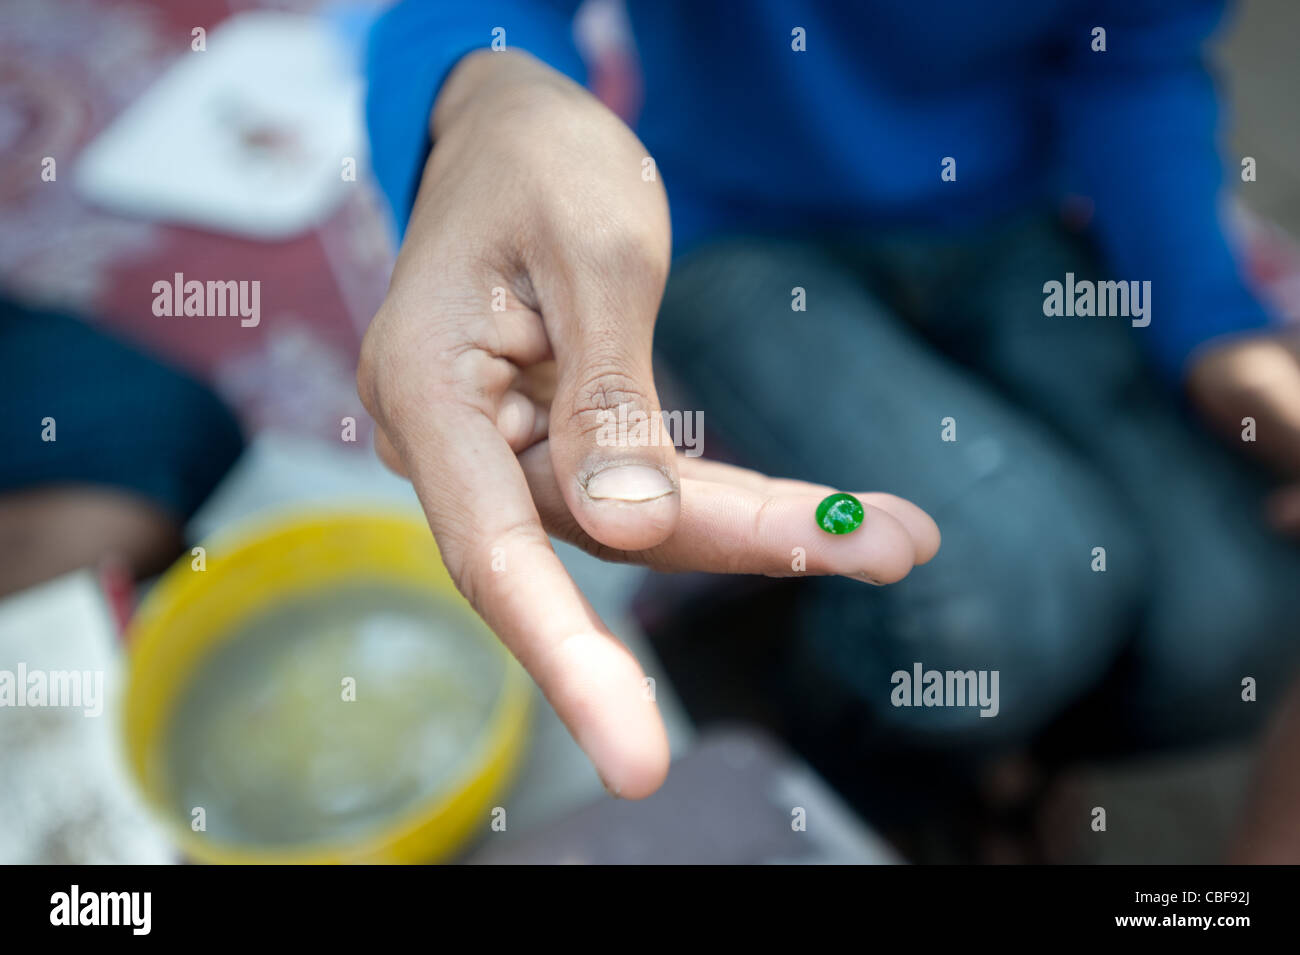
pixel 1138 132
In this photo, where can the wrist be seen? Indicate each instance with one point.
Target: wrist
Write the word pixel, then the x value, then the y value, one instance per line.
pixel 490 79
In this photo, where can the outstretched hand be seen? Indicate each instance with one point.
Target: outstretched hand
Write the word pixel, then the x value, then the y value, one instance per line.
pixel 521 307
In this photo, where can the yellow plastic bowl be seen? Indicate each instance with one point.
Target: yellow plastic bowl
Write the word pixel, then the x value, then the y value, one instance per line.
pixel 190 612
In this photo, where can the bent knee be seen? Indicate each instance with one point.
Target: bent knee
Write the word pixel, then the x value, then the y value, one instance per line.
pixel 1222 642
pixel 1025 605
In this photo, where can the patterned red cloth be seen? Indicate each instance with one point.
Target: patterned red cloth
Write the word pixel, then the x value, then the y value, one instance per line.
pixel 69 67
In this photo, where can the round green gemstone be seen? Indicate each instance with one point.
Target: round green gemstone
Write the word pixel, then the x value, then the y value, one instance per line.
pixel 840 514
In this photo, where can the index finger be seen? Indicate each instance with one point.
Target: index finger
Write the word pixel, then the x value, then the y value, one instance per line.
pixel 490 536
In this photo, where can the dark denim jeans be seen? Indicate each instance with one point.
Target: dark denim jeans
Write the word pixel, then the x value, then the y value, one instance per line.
pixel 122 418
pixel 1065 442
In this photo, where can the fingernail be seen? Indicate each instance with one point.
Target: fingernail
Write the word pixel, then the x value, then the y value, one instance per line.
pixel 608 788
pixel 867 580
pixel 630 483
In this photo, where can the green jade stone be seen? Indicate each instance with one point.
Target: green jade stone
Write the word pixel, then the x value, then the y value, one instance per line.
pixel 840 514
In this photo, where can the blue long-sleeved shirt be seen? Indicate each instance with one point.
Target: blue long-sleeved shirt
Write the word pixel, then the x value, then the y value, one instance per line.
pixel 750 134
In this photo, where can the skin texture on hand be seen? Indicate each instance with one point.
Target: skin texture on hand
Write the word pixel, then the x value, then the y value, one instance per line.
pixel 521 307
pixel 1259 379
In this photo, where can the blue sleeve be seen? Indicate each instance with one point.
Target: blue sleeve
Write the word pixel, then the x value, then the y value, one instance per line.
pixel 411 50
pixel 1139 127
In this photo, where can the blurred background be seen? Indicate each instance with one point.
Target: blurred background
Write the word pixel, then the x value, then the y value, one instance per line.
pixel 210 167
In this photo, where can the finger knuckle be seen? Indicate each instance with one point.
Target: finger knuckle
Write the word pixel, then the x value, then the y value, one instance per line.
pixel 625 252
pixel 602 394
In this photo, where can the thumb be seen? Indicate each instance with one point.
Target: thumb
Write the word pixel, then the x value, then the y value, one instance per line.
pixel 611 453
